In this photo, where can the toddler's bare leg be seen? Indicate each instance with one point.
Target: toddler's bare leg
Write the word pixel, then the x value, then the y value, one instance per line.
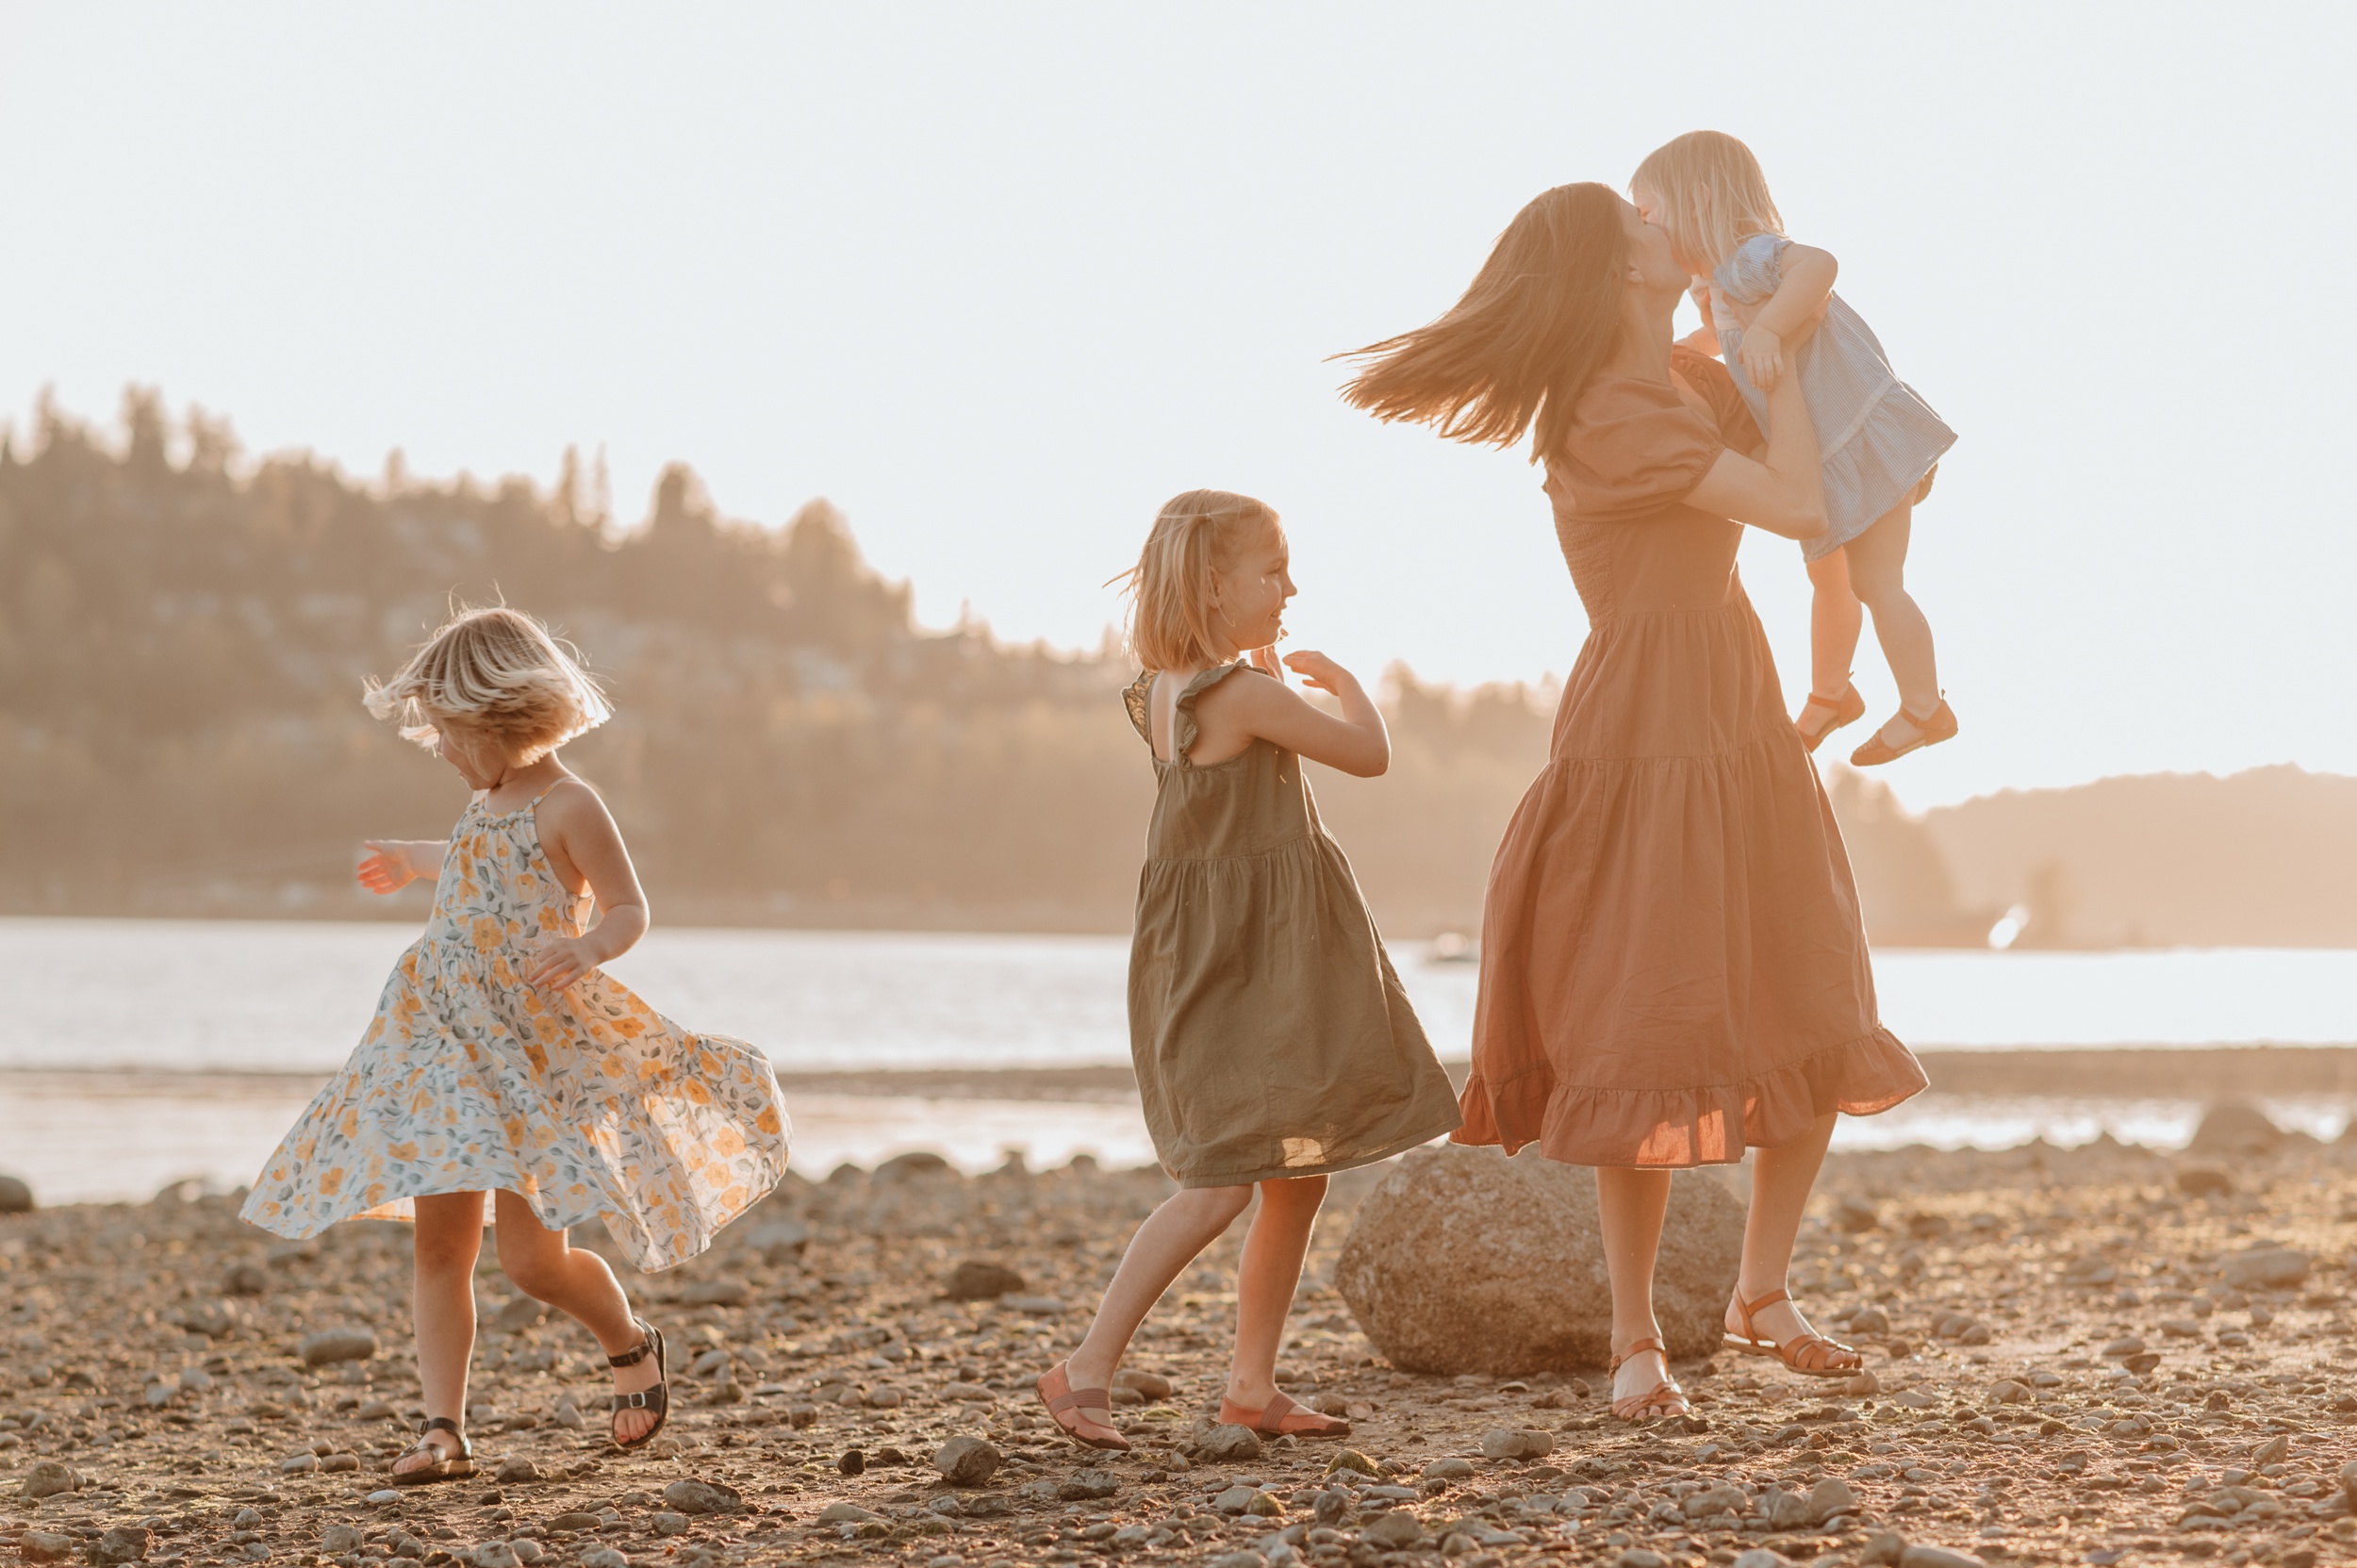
pixel 1630 1206
pixel 1173 1236
pixel 1271 1271
pixel 1835 620
pixel 545 1266
pixel 1878 563
pixel 449 1236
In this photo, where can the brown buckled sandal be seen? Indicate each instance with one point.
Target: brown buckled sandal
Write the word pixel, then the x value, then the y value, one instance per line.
pixel 657 1398
pixel 1930 730
pixel 1665 1398
pixel 1811 1354
pixel 446 1466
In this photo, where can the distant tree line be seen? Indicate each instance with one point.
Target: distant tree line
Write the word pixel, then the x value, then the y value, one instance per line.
pixel 182 637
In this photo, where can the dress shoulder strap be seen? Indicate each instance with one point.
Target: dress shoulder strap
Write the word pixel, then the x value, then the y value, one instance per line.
pixel 1183 726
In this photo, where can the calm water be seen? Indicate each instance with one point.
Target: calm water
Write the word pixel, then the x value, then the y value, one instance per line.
pixel 182 997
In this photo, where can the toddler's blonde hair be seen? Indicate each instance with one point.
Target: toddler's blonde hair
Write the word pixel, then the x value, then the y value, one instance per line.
pixel 1713 197
pixel 1170 587
pixel 496 672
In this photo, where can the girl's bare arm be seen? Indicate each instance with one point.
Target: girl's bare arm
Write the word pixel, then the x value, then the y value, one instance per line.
pixel 1239 710
pixel 1791 312
pixel 393 863
pixel 580 837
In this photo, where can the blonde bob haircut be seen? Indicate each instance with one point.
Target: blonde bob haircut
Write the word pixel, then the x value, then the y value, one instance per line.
pixel 1170 587
pixel 1713 197
pixel 494 672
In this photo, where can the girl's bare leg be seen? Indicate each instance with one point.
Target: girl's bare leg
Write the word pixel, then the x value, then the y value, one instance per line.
pixel 1835 620
pixel 449 1236
pixel 545 1266
pixel 1173 1236
pixel 1265 1282
pixel 1878 569
pixel 1630 1205
pixel 1781 1181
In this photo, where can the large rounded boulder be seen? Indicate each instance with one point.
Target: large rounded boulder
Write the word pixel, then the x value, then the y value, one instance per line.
pixel 1462 1259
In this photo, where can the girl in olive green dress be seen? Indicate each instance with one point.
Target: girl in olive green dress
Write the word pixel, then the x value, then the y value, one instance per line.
pixel 1272 1040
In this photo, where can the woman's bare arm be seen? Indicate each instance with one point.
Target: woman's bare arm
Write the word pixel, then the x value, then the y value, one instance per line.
pixel 1785 491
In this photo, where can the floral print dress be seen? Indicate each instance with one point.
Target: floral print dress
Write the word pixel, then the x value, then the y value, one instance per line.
pixel 588 1103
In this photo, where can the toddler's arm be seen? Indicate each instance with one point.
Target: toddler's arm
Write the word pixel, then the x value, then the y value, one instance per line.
pixel 393 863
pixel 1356 742
pixel 1789 313
pixel 581 837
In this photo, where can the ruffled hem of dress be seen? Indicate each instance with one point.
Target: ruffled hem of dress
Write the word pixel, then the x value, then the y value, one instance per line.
pixel 1677 1129
pixel 1878 467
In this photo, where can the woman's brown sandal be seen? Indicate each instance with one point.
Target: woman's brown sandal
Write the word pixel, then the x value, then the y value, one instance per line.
pixel 1846 709
pixel 1934 726
pixel 657 1398
pixel 1811 1353
pixel 446 1466
pixel 1062 1399
pixel 1665 1398
pixel 1281 1416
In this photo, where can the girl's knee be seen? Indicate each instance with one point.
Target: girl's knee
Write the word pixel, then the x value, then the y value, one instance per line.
pixel 446 1251
pixel 1220 1203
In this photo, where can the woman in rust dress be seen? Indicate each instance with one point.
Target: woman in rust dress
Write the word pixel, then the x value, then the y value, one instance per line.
pixel 1672 966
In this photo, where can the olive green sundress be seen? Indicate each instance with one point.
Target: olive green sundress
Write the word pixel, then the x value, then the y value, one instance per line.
pixel 1271 1035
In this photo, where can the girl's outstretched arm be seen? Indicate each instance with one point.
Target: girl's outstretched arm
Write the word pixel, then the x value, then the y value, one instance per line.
pixel 1355 742
pixel 1785 491
pixel 1808 275
pixel 580 836
pixel 393 863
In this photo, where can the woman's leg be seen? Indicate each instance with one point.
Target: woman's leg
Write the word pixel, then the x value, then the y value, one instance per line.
pixel 449 1236
pixel 1629 1209
pixel 1173 1236
pixel 1265 1282
pixel 1878 569
pixel 1781 1178
pixel 545 1266
pixel 1835 620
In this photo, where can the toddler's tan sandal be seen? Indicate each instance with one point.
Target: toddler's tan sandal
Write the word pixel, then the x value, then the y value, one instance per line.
pixel 1812 1354
pixel 446 1466
pixel 657 1398
pixel 1063 1400
pixel 1846 709
pixel 1282 1417
pixel 1930 730
pixel 1665 1398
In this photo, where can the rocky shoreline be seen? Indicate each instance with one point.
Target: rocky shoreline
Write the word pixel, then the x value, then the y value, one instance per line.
pixel 2095 1355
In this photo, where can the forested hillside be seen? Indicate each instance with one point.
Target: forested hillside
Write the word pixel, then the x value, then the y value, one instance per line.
pixel 183 640
pixel 182 637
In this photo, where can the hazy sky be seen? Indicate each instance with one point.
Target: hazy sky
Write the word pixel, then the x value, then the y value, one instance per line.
pixel 999 278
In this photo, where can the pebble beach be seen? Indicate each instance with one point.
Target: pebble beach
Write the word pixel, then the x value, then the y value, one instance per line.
pixel 2096 1355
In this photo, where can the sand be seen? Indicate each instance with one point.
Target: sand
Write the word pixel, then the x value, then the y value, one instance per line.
pixel 150 1355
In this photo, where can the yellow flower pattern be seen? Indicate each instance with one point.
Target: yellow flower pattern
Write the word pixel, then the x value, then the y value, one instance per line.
pixel 585 1104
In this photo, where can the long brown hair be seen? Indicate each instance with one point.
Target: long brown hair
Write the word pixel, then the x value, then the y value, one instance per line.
pixel 1514 354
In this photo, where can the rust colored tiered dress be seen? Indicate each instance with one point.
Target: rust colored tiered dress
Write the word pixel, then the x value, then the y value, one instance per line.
pixel 1673 966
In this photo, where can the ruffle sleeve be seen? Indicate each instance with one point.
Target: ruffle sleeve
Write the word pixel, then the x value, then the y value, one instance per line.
pixel 1636 448
pixel 1756 270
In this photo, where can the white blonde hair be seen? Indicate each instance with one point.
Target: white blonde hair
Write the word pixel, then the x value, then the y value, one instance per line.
pixel 496 672
pixel 1170 587
pixel 1713 193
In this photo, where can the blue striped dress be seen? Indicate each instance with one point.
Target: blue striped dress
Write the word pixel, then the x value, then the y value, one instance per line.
pixel 1880 439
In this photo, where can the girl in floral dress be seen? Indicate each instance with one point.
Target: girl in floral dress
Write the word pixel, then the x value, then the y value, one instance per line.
pixel 502 1061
